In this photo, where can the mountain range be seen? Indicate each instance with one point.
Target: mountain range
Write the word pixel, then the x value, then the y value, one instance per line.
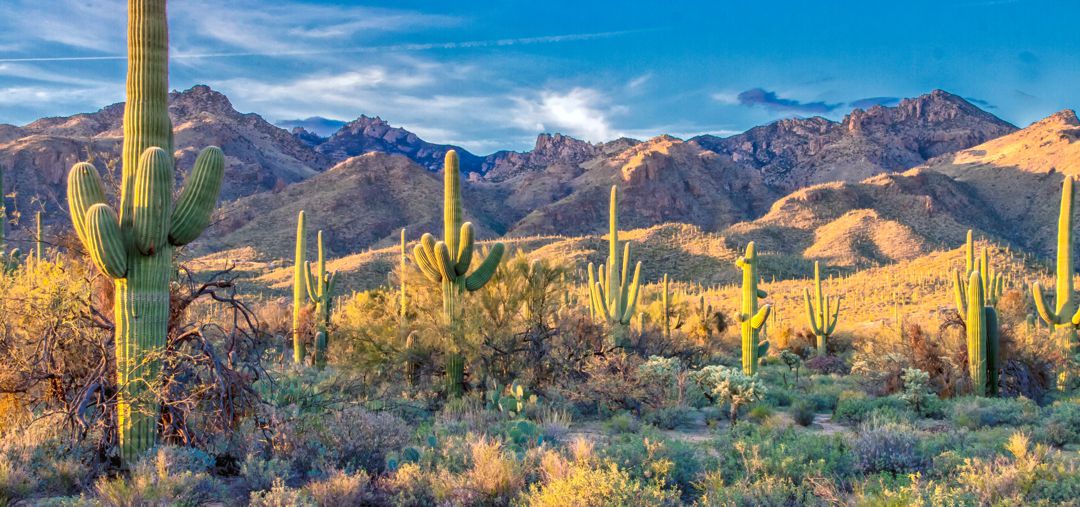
pixel 881 185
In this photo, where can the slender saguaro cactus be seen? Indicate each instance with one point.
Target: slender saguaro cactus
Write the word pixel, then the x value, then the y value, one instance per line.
pixel 750 317
pixel 1062 315
pixel 447 263
pixel 300 291
pixel 39 249
pixel 135 245
pixel 3 212
pixel 822 323
pixel 403 303
pixel 993 283
pixel 320 290
pixel 983 342
pixel 613 294
pixel 665 299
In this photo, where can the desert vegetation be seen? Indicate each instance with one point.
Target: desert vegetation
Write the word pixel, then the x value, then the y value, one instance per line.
pixel 491 373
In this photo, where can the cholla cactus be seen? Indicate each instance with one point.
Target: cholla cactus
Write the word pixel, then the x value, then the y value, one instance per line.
pixel 134 243
pixel 822 323
pixel 612 293
pixel 750 317
pixel 320 291
pixel 447 263
pixel 721 385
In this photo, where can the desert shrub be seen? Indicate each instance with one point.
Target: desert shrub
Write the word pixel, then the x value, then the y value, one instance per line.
pixel 764 491
pixel 623 422
pixel 260 472
pixel 916 391
pixel 1061 424
pixel 977 412
pixel 164 477
pixel 350 439
pixel 730 386
pixel 409 485
pixel 669 418
pixel 888 447
pixel 670 463
pixel 1029 476
pixel 495 473
pixel 340 488
pixel 610 384
pixel 41 458
pixel 281 495
pixel 584 484
pixel 554 423
pixel 910 490
pixel 854 407
pixel 803 413
pixel 828 365
pixel 759 413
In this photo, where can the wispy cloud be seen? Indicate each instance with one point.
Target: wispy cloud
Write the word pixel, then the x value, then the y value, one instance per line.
pixel 580 112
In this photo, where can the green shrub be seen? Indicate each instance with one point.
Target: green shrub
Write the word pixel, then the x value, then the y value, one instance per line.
pixel 765 491
pixel 888 447
pixel 855 408
pixel 623 422
pixel 280 495
pixel 669 418
pixel 584 485
pixel 163 477
pixel 803 412
pixel 978 412
pixel 260 472
pixel 1061 425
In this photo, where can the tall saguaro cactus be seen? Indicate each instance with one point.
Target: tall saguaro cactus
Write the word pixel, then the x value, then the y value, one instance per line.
pixel 983 342
pixel 320 290
pixel 300 291
pixel 993 282
pixel 665 301
pixel 39 245
pixel 447 263
pixel 403 304
pixel 1062 315
pixel 822 323
pixel 750 317
pixel 612 293
pixel 135 244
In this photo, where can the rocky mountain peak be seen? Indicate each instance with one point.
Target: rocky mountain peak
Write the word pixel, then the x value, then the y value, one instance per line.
pixel 200 99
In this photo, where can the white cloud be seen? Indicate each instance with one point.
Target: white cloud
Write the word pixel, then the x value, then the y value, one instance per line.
pixel 580 112
pixel 726 98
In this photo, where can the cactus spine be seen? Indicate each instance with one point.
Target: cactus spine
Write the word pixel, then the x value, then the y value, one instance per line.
pixel 1062 316
pixel 612 294
pixel 982 338
pixel 300 291
pixel 320 290
pixel 447 263
pixel 135 245
pixel 822 323
pixel 750 317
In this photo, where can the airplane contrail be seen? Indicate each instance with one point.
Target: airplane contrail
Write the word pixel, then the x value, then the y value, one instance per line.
pixel 363 49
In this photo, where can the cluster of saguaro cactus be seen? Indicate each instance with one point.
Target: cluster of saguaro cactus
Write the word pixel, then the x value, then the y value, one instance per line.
pixel 983 342
pixel 612 293
pixel 447 263
pixel 320 291
pixel 821 321
pixel 134 243
pixel 750 316
pixel 1062 316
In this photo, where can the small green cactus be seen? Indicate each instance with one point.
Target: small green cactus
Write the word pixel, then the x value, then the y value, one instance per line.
pixel 612 293
pixel 320 291
pixel 750 317
pixel 822 323
pixel 447 263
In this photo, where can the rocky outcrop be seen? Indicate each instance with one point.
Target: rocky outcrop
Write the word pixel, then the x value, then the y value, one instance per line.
pixel 372 134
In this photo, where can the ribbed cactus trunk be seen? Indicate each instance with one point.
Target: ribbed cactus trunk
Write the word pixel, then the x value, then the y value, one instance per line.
pixel 613 293
pixel 751 318
pixel 39 245
pixel 1062 316
pixel 447 263
pixel 403 304
pixel 300 294
pixel 982 339
pixel 665 299
pixel 822 321
pixel 135 246
pixel 320 289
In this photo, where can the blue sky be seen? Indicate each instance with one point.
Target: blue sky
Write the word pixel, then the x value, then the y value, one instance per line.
pixel 491 75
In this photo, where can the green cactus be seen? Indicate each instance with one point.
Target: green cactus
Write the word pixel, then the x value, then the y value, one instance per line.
pixel 135 245
pixel 447 263
pixel 39 248
pixel 993 283
pixel 665 301
pixel 300 291
pixel 983 342
pixel 1062 316
pixel 705 317
pixel 822 323
pixel 9 261
pixel 403 305
pixel 750 317
pixel 320 291
pixel 612 293
pixel 3 213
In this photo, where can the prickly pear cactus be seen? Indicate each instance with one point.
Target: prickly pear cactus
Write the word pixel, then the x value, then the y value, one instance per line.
pixel 134 242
